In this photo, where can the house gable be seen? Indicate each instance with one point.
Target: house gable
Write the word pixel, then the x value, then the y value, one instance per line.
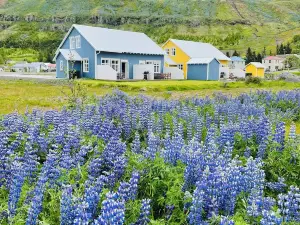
pixel 180 58
pixel 86 51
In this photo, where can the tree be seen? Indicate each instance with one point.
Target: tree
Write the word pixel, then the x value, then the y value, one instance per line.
pixel 292 62
pixel 288 49
pixel 235 53
pixel 271 53
pixel 249 56
pixel 259 58
pixel 2 61
pixel 228 54
pixel 254 58
pixel 264 53
pixel 277 50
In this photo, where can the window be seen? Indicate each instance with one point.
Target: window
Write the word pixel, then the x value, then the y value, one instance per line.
pixel 105 62
pixel 78 41
pixel 72 42
pixel 86 65
pixel 61 65
pixel 173 51
pixel 115 64
pixel 269 61
pixel 180 66
pixel 156 66
pixel 142 62
pixel 167 51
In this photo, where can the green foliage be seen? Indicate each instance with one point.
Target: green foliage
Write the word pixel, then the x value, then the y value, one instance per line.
pixel 253 80
pixel 292 62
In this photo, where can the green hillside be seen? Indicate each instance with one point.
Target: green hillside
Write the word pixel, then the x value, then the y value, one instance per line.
pixel 228 24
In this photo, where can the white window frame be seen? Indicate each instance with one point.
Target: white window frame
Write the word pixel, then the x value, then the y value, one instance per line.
pixel 78 41
pixel 72 43
pixel 115 66
pixel 86 65
pixel 61 65
pixel 105 63
pixel 167 50
pixel 173 51
pixel 142 62
pixel 180 66
pixel 156 64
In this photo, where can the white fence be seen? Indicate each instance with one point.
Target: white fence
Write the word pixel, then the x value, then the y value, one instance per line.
pixel 140 70
pixel 176 74
pixel 105 72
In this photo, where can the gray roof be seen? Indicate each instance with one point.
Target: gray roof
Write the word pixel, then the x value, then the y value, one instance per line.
pixel 70 54
pixel 20 65
pixel 35 64
pixel 119 41
pixel 257 64
pixel 200 60
pixel 169 61
pixel 200 50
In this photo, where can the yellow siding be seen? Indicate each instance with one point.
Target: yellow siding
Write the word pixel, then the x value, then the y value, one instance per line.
pixel 224 62
pixel 179 58
pixel 256 72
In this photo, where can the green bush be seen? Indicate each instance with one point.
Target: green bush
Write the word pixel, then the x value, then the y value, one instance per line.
pixel 253 80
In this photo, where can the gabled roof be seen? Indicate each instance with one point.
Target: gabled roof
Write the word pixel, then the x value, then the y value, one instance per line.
pixel 237 59
pixel 169 61
pixel 20 65
pixel 200 50
pixel 201 60
pixel 272 58
pixel 35 64
pixel 70 54
pixel 256 64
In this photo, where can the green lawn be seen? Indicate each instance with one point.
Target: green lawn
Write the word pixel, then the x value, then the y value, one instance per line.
pixel 20 94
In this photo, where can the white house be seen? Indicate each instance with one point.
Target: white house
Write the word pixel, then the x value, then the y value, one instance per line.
pixel 1 69
pixel 236 63
pixel 20 67
pixel 37 67
pixel 273 63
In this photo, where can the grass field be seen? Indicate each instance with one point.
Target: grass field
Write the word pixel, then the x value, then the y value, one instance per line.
pixel 19 95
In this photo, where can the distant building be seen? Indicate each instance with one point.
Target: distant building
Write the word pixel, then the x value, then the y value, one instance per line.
pixel 20 67
pixel 101 53
pixel 273 63
pixel 236 63
pixel 51 67
pixel 1 69
pixel 255 69
pixel 36 67
pixel 184 52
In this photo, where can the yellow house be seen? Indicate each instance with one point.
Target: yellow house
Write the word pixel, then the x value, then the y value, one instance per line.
pixel 181 52
pixel 256 69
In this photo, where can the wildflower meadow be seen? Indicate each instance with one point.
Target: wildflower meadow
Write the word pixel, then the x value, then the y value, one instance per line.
pixel 137 160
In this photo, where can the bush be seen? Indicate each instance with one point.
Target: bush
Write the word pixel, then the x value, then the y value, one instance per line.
pixel 253 80
pixel 240 79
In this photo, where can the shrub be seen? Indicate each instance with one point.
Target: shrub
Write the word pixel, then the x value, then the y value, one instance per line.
pixel 253 80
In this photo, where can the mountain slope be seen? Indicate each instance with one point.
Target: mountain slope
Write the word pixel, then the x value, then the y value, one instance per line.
pixel 231 24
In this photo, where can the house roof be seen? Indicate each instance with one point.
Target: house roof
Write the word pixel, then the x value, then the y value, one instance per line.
pixel 272 58
pixel 256 64
pixel 110 40
pixel 169 61
pixel 200 50
pixel 20 65
pixel 200 60
pixel 237 59
pixel 35 64
pixel 70 54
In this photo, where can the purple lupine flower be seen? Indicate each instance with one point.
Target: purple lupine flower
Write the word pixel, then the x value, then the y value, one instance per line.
pixel 144 213
pixel 66 206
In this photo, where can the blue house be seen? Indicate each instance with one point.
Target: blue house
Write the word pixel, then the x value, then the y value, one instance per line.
pixel 203 69
pixel 101 53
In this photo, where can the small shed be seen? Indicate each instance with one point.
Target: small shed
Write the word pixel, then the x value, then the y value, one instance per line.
pixel 203 69
pixel 255 69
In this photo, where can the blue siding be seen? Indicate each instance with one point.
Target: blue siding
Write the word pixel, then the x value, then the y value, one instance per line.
pixel 197 72
pixel 86 51
pixel 214 70
pixel 133 59
pixel 61 74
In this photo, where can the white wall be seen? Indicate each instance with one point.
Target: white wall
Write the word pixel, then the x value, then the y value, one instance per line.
pixel 225 70
pixel 138 71
pixel 176 74
pixel 105 72
pixel 237 65
pixel 273 64
pixel 237 73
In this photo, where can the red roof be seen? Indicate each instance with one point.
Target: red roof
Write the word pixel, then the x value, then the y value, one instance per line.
pixel 52 65
pixel 272 58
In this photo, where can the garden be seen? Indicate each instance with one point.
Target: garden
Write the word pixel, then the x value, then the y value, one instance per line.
pixel 141 160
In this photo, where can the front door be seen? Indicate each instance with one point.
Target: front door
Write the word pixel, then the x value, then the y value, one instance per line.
pixel 124 69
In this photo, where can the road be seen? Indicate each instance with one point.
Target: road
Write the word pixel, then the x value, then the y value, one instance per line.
pixel 17 76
